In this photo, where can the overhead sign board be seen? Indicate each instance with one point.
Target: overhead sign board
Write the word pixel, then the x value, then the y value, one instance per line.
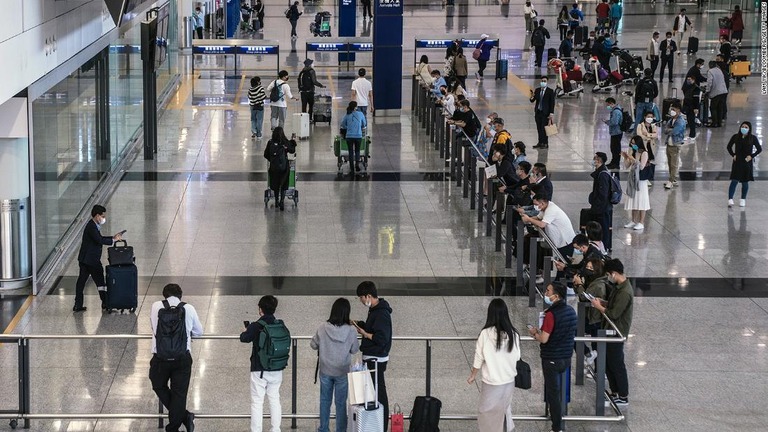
pixel 258 49
pixel 213 49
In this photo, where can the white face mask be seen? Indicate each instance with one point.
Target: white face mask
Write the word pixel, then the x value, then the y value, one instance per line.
pixel 102 220
pixel 537 208
pixel 368 304
pixel 649 120
pixel 672 113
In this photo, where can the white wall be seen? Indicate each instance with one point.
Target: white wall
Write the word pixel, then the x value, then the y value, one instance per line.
pixel 38 35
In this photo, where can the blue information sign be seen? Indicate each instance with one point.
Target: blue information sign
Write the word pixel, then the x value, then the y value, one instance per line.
pixel 257 49
pixel 213 49
pixel 327 46
pixel 444 43
pixel 361 46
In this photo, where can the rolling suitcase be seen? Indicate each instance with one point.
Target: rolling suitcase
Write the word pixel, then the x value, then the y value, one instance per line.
pixel 502 68
pixel 321 110
pixel 741 68
pixel 667 102
pixel 585 217
pixel 301 125
pixel 122 288
pixel 693 45
pixel 368 417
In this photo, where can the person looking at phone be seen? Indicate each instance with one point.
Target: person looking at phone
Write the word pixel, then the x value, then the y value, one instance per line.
pixel 376 332
pixel 582 251
pixel 89 257
pixel 618 308
pixel 556 338
pixel 591 283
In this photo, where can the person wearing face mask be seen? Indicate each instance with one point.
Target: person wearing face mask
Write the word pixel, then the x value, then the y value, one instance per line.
pixel 718 93
pixel 543 99
pixel 556 339
pixel 652 53
pixel 518 148
pixel 591 280
pixel 466 119
pixel 577 253
pixel 615 116
pixel 376 333
pixel 539 38
pixel 691 99
pixel 600 207
pixel 618 308
pixel 674 137
pixel 501 136
pixel 553 220
pixel 89 257
pixel 528 13
pixel 637 201
pixel 649 133
pixel 667 49
pixel 743 147
pixel 448 101
pixel 505 170
pixel 646 92
pixel 437 82
pixel 695 71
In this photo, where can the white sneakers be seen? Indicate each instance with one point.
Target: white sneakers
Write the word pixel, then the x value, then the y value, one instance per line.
pixel 730 203
pixel 742 203
pixel 670 185
pixel 590 359
pixel 638 227
pixel 634 226
pixel 629 225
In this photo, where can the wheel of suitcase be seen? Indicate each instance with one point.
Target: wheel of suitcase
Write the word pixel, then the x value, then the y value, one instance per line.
pixel 132 310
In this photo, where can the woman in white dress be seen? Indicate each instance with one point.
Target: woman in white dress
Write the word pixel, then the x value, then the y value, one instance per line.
pixel 637 200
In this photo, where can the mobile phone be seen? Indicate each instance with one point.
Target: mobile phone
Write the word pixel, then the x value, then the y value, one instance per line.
pixel 589 296
pixel 246 323
pixel 530 327
pixel 122 232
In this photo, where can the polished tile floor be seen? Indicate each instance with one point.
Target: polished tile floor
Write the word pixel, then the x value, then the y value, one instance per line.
pixel 196 215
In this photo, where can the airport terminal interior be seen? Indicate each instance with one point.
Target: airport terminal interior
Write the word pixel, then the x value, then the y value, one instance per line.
pixel 195 215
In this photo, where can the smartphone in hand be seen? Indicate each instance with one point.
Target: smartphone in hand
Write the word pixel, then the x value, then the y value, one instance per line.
pixel 246 323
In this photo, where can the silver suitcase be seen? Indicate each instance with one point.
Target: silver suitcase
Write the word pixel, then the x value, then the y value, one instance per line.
pixel 366 418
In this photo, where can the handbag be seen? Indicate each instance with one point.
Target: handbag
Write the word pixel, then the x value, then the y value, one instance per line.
pixel 360 389
pixel 478 52
pixel 523 377
pixel 398 421
pixel 550 129
pixel 534 14
pixel 120 255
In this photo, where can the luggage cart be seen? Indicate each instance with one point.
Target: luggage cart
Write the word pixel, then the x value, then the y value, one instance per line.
pixel 321 111
pixel 341 151
pixel 292 193
pixel 321 26
pixel 602 77
pixel 568 83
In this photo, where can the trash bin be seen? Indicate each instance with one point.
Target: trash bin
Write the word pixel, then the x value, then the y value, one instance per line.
pixel 15 244
pixel 189 29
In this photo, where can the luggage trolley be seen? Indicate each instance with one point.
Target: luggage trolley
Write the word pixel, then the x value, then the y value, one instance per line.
pixel 321 26
pixel 321 110
pixel 341 151
pixel 292 193
pixel 568 81
pixel 604 80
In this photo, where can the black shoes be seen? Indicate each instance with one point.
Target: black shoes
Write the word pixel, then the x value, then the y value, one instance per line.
pixel 79 309
pixel 541 146
pixel 189 423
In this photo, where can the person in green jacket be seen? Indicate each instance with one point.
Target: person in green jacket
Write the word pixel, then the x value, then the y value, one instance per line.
pixel 618 308
pixel 591 280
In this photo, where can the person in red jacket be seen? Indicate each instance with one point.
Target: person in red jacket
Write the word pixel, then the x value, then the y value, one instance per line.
pixel 737 26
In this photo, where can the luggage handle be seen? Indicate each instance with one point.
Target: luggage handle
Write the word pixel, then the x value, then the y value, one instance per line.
pixel 375 386
pixel 125 243
pixel 674 92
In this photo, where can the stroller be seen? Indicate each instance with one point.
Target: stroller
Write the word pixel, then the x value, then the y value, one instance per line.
pixel 321 27
pixel 569 77
pixel 631 67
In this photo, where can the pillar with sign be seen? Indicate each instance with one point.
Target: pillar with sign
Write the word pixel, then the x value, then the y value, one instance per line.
pixel 388 56
pixel 347 26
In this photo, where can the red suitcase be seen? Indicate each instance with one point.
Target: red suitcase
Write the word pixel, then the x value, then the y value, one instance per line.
pixel 617 76
pixel 574 75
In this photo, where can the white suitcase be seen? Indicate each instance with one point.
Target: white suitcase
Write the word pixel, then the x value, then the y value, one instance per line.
pixel 364 418
pixel 301 125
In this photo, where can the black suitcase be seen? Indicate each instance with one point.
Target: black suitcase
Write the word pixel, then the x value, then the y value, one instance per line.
pixel 581 35
pixel 502 68
pixel 122 288
pixel 693 45
pixel 704 108
pixel 426 414
pixel 667 102
pixel 585 217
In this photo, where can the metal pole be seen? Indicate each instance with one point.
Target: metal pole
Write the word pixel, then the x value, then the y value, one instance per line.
pixel 459 160
pixel 582 315
pixel 532 267
pixel 429 367
pixel 480 196
pixel 600 375
pixel 472 182
pixel 414 85
pixel 440 131
pixel 546 272
pixel 294 373
pixel 508 243
pixel 499 207
pixel 466 173
pixel 519 254
pixel 452 157
pixel 489 206
pixel 449 149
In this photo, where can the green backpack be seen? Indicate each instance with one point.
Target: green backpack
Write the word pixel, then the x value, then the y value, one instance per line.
pixel 274 345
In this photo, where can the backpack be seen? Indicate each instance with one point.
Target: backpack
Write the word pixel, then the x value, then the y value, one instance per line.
pixel 615 189
pixel 274 345
pixel 574 15
pixel 171 333
pixel 278 157
pixel 305 81
pixel 425 415
pixel 626 120
pixel 288 13
pixel 537 38
pixel 275 94
pixel 646 89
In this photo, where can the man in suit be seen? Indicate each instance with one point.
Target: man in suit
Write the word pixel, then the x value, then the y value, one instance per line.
pixel 544 110
pixel 667 49
pixel 89 257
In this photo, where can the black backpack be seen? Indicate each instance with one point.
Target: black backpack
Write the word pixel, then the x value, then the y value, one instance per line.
pixel 425 415
pixel 647 90
pixel 274 94
pixel 626 120
pixel 171 334
pixel 537 38
pixel 278 157
pixel 615 189
pixel 574 15
pixel 305 81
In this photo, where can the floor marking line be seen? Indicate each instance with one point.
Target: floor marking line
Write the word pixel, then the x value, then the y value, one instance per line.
pixel 19 314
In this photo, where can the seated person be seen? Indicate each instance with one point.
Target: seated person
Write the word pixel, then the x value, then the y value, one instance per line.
pixel 577 254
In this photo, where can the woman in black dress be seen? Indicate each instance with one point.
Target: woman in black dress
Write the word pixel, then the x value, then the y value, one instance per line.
pixel 743 147
pixel 276 152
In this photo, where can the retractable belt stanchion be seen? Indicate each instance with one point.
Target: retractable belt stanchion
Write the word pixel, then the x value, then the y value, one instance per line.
pixel 519 255
pixel 466 173
pixel 489 206
pixel 600 374
pixel 414 94
pixel 509 236
pixel 472 182
pixel 499 207
pixel 532 265
pixel 460 160
pixel 452 157
pixel 440 131
pixel 423 98
pixel 547 271
pixel 480 197
pixel 428 119
pixel 581 324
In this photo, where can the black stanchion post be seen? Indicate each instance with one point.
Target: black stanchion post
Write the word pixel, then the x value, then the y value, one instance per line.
pixel 532 267
pixel 25 405
pixel 161 420
pixel 508 240
pixel 564 381
pixel 499 210
pixel 480 196
pixel 489 206
pixel 546 272
pixel 472 182
pixel 414 95
pixel 429 368
pixel 581 323
pixel 452 162
pixel 459 160
pixel 519 254
pixel 440 131
pixel 466 174
pixel 600 375
pixel 294 380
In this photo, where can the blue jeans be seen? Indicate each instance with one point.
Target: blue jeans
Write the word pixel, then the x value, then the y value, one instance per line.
pixel 640 109
pixel 333 388
pixel 363 109
pixel 257 120
pixel 732 189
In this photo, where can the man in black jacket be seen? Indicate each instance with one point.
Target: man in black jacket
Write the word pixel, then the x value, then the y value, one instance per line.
pixel 544 110
pixel 89 257
pixel 307 84
pixel 600 205
pixel 667 49
pixel 376 332
pixel 646 92
pixel 695 72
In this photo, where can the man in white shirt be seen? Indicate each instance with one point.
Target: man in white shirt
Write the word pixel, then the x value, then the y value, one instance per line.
pixel 553 220
pixel 167 365
pixel 279 107
pixel 362 92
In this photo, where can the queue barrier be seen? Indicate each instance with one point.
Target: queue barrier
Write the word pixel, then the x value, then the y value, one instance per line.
pixel 467 41
pixel 24 376
pixel 237 48
pixel 346 47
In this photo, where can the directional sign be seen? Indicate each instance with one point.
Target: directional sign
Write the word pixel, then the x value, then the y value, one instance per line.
pixel 361 46
pixel 327 46
pixel 258 49
pixel 213 49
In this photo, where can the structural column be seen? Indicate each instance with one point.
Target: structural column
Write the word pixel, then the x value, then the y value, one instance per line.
pixel 387 57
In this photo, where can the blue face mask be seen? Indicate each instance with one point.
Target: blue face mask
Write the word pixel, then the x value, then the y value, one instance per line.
pixel 608 107
pixel 548 300
pixel 634 147
pixel 744 131
pixel 542 84
pixel 577 252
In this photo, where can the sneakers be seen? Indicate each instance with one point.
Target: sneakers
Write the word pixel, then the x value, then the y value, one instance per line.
pixel 742 203
pixel 629 225
pixel 730 203
pixel 590 359
pixel 668 185
pixel 539 279
pixel 638 227
pixel 621 401
pixel 650 183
